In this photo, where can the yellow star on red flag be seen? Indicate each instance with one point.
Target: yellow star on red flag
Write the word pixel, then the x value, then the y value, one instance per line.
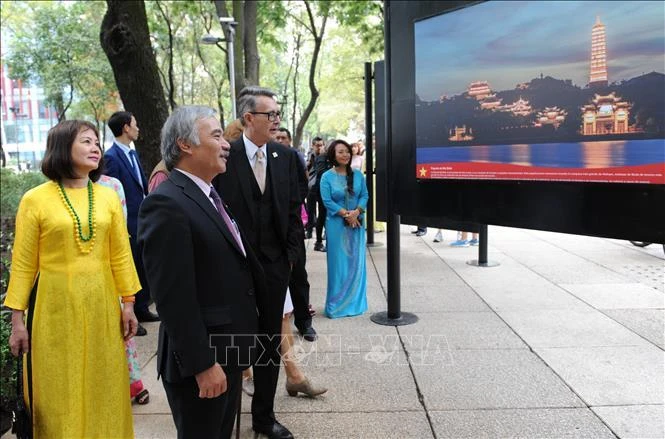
pixel 423 172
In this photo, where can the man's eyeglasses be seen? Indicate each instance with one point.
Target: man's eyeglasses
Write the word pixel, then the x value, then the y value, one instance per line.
pixel 272 115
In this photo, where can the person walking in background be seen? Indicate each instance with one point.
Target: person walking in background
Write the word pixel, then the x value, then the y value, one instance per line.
pixel 357 159
pixel 298 283
pixel 296 381
pixel 420 231
pixel 158 176
pixel 233 130
pixel 261 188
pixel 313 190
pixel 137 390
pixel 206 280
pixel 344 192
pixel 123 163
pixel 71 233
pixel 463 240
pixel 321 165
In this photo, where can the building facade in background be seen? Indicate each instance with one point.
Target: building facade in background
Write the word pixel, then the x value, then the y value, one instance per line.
pixel 25 119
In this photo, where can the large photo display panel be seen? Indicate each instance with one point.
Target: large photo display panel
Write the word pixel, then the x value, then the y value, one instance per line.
pixel 634 211
pixel 559 91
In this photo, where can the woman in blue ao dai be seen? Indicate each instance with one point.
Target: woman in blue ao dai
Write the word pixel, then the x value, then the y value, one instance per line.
pixel 344 193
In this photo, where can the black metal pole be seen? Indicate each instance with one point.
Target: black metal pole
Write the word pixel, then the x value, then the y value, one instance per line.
pixel 482 249
pixel 393 238
pixel 394 316
pixel 482 245
pixel 369 148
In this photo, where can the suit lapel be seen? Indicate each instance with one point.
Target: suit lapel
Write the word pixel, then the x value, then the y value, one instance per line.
pixel 244 171
pixel 191 190
pixel 273 158
pixel 125 161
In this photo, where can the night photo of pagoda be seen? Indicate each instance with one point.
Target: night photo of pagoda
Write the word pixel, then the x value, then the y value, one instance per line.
pixel 561 91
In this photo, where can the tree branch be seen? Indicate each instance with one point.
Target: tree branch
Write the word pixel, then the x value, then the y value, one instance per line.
pixel 171 85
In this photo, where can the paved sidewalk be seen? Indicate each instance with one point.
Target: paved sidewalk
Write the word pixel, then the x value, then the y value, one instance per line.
pixel 564 339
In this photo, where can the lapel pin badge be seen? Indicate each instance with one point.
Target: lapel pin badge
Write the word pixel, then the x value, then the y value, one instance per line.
pixel 274 154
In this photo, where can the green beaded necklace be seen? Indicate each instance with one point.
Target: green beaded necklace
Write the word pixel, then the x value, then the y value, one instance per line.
pixel 77 220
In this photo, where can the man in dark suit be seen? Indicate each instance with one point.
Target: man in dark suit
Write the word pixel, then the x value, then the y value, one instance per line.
pixel 123 163
pixel 206 281
pixel 298 284
pixel 261 188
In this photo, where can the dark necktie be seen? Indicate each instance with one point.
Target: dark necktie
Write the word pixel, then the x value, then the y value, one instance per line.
pixel 227 220
pixel 135 165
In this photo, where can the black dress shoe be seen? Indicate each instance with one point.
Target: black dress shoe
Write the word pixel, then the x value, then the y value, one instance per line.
pixel 146 316
pixel 141 331
pixel 275 431
pixel 319 247
pixel 309 334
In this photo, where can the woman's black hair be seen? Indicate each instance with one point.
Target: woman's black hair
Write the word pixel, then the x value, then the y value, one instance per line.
pixel 331 158
pixel 57 163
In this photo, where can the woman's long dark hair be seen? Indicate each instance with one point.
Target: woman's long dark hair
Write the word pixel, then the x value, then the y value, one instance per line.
pixel 349 170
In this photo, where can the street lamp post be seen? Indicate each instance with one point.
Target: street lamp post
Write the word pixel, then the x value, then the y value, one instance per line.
pixel 230 25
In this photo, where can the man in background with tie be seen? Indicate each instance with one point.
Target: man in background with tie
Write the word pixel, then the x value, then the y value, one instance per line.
pixel 261 188
pixel 123 163
pixel 206 281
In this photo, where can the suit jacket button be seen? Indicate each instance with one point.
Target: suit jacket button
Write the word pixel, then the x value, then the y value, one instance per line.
pixel 250 292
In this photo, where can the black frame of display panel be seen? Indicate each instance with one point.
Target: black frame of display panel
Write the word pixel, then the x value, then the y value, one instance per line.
pixel 614 210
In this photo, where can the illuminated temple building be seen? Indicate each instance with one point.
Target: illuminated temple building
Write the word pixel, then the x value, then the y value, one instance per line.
pixel 460 133
pixel 606 115
pixel 479 90
pixel 550 116
pixel 598 71
pixel 490 102
pixel 520 107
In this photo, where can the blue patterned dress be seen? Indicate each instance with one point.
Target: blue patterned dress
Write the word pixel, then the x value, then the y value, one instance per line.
pixel 347 276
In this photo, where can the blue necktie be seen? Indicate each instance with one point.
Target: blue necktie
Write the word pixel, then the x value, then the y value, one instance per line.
pixel 135 166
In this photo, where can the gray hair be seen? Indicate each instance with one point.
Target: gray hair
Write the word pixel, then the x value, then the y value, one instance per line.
pixel 247 99
pixel 181 125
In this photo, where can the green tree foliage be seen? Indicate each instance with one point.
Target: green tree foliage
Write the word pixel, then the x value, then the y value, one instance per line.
pixel 55 45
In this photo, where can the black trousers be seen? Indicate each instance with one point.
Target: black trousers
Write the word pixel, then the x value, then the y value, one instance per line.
pixel 143 296
pixel 299 288
pixel 266 368
pixel 311 209
pixel 196 417
pixel 321 219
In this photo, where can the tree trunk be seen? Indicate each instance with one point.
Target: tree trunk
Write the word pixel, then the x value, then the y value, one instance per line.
pixel 59 105
pixel 252 59
pixel 126 41
pixel 239 45
pixel 314 92
pixel 295 87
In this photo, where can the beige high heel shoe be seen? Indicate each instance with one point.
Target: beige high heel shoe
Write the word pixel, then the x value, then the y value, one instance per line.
pixel 304 387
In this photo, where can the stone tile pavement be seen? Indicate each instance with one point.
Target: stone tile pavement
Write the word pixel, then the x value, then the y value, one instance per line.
pixel 564 339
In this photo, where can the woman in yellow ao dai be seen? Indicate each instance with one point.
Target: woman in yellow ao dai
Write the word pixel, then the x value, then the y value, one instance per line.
pixel 72 240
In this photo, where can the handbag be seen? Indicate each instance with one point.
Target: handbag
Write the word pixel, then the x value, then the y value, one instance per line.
pixel 21 415
pixel 21 419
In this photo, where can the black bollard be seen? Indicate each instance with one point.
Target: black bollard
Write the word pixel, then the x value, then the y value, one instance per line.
pixel 482 249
